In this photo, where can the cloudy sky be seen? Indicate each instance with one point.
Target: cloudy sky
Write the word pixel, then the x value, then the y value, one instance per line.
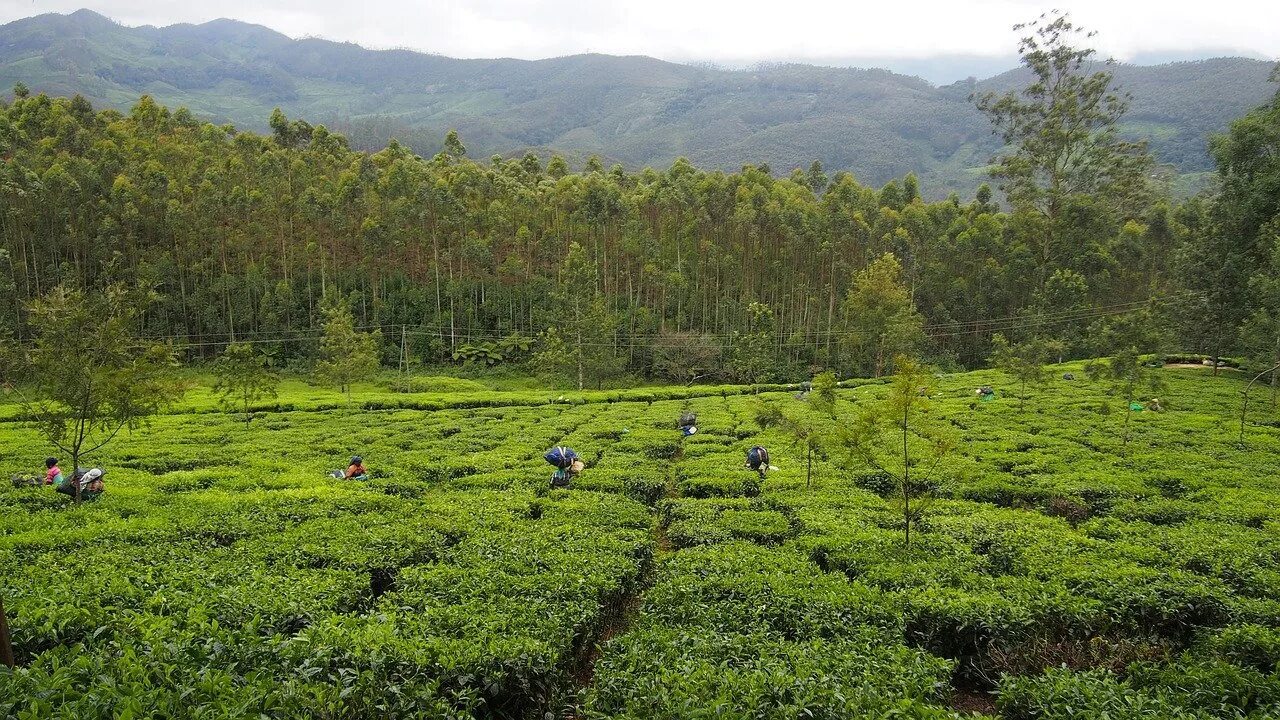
pixel 722 31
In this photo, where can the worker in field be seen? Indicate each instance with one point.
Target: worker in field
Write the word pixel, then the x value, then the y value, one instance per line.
pixel 88 481
pixel 356 470
pixel 758 460
pixel 53 473
pixel 567 464
pixel 688 424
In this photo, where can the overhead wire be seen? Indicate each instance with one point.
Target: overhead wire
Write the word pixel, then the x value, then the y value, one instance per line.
pixel 956 328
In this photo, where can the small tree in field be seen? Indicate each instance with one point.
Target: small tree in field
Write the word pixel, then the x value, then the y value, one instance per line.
pixel 812 429
pixel 346 354
pixel 822 395
pixel 90 375
pixel 1025 361
pixel 1126 374
pixel 897 437
pixel 243 378
pixel 809 427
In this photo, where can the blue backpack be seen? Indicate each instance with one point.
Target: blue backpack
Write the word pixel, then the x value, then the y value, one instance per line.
pixel 560 456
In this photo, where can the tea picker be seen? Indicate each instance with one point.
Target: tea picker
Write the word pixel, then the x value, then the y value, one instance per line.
pixel 688 424
pixel 758 460
pixel 985 393
pixel 88 481
pixel 53 473
pixel 355 471
pixel 567 464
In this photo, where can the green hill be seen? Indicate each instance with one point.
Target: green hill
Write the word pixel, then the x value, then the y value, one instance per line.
pixel 635 110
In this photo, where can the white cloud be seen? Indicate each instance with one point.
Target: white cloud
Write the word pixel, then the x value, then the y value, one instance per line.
pixel 715 29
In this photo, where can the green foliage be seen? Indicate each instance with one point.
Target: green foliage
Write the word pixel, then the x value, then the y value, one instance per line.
pixel 822 396
pixel 880 318
pixel 1127 374
pixel 347 355
pixel 229 575
pixel 811 428
pixel 88 375
pixel 248 235
pixel 1063 135
pixel 896 436
pixel 492 353
pixel 581 343
pixel 243 379
pixel 754 358
pixel 1026 361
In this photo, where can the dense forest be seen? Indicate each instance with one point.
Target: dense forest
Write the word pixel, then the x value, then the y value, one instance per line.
pixel 638 111
pixel 682 273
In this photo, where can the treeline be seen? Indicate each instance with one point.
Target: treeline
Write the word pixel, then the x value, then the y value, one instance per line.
pixel 681 273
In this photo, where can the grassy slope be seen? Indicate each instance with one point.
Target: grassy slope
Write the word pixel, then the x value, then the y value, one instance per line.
pixel 1168 539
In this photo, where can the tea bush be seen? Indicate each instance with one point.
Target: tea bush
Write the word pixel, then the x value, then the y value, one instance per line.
pixel 1057 574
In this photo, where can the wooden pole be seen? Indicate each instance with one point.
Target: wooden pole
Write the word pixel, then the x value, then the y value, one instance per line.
pixel 6 649
pixel 404 359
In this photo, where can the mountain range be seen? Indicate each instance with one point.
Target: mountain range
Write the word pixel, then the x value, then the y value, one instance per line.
pixel 634 110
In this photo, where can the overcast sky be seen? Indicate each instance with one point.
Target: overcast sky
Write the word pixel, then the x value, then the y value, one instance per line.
pixel 726 31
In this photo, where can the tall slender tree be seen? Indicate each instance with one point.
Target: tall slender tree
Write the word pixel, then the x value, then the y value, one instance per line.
pixel 1063 137
pixel 898 437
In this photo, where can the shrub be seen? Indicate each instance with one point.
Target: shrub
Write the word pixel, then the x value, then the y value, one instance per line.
pixel 1251 646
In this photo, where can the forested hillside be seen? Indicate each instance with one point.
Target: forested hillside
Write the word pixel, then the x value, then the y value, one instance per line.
pixel 743 274
pixel 635 110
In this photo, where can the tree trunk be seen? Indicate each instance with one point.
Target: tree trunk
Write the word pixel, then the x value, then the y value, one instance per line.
pixel 6 648
pixel 580 382
pixel 906 476
pixel 1275 358
pixel 1128 410
pixel 75 466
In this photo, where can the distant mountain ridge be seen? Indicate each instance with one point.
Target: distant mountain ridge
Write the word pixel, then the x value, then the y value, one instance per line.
pixel 635 110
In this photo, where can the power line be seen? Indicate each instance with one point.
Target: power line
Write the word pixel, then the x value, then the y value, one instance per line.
pixel 468 334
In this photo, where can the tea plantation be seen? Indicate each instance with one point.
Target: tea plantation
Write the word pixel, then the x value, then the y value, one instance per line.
pixel 1059 573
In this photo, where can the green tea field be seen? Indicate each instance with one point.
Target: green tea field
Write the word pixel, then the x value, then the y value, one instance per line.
pixel 1059 572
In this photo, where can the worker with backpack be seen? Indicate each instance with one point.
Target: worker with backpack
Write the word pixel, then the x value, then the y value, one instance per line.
pixel 758 460
pixel 88 481
pixel 688 424
pixel 567 464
